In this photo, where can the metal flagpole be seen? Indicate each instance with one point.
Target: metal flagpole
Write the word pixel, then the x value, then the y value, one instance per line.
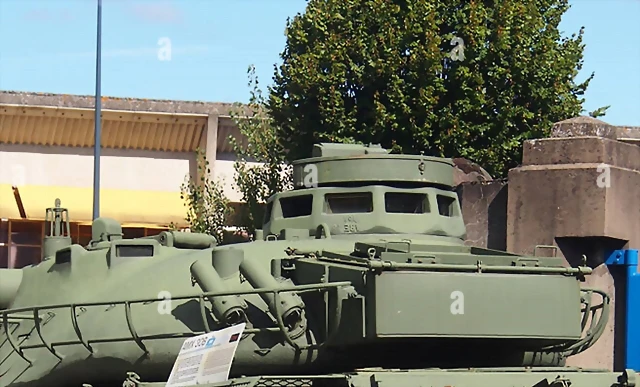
pixel 98 119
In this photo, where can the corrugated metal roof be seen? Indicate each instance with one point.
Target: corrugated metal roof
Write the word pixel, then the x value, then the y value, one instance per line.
pixel 63 126
pixel 120 129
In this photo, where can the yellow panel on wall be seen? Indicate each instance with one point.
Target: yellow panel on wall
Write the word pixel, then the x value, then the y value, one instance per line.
pixel 126 206
pixel 8 207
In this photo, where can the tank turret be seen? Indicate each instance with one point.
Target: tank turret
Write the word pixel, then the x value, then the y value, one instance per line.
pixel 57 230
pixel 362 265
pixel 353 190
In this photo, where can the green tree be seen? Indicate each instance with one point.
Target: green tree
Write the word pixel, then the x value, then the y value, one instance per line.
pixel 207 206
pixel 599 112
pixel 261 168
pixel 456 78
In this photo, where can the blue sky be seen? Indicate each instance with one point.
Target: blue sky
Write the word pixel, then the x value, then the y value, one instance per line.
pixel 49 46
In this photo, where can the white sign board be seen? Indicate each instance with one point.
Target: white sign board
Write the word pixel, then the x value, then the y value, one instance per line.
pixel 206 358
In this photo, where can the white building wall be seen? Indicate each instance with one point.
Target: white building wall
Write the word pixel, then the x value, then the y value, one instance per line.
pixel 73 167
pixel 224 172
pixel 34 165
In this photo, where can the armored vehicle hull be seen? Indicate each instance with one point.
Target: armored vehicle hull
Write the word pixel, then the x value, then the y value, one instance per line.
pixel 357 281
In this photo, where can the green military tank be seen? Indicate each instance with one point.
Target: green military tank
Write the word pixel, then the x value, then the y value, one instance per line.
pixel 359 277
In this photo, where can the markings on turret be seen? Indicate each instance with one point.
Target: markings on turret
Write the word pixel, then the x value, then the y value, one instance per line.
pixel 457 306
pixel 350 225
pixel 164 306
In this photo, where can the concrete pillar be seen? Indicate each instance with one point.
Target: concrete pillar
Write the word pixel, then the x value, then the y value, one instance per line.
pixel 211 147
pixel 579 192
pixel 209 143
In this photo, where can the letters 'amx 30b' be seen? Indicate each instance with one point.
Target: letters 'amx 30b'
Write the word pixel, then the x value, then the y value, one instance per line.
pixel 359 277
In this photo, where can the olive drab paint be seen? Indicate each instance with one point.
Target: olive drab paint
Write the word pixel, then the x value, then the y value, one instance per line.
pixel 367 251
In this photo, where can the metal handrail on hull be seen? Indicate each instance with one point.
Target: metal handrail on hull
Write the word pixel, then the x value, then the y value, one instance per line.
pixel 134 336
